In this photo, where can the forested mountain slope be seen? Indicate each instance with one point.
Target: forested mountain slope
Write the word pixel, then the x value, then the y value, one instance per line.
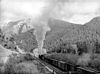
pixel 64 34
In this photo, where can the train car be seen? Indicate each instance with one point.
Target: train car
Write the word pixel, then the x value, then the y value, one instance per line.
pixel 71 67
pixel 55 62
pixel 47 60
pixel 62 65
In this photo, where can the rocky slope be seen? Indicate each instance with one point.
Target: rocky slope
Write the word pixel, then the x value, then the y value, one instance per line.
pixel 27 40
pixel 24 40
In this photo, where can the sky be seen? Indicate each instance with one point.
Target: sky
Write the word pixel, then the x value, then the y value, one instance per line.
pixel 74 11
pixel 78 11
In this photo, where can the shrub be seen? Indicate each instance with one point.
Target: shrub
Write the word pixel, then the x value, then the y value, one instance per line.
pixel 15 64
pixel 20 68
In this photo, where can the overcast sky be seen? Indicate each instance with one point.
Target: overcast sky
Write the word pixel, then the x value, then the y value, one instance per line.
pixel 75 11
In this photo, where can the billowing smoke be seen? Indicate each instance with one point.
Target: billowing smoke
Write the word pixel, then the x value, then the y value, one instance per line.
pixel 40 36
pixel 39 11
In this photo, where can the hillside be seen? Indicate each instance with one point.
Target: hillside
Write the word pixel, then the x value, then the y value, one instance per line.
pixel 63 35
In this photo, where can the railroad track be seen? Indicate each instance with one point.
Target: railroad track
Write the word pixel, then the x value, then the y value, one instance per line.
pixel 68 68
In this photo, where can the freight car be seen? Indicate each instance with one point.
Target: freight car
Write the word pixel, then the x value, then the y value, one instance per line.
pixel 62 65
pixel 67 66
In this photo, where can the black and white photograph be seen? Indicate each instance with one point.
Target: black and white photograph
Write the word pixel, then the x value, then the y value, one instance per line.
pixel 49 36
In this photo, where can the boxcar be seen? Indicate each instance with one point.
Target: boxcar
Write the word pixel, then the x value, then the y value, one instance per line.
pixel 55 62
pixel 62 65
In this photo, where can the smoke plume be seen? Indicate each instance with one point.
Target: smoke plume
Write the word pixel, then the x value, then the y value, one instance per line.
pixel 39 11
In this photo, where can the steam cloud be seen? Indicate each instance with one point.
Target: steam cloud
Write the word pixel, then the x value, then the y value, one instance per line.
pixel 75 11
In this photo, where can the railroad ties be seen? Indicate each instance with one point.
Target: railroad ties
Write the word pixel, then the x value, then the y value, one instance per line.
pixel 61 67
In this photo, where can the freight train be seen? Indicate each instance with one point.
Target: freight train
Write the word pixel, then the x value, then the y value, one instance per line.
pixel 68 67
